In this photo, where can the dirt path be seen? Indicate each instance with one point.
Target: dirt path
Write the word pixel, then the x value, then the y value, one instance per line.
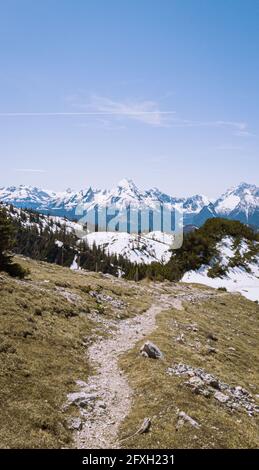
pixel 112 395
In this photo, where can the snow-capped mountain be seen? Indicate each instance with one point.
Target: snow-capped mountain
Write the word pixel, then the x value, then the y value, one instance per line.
pixel 125 193
pixel 239 203
pixel 26 196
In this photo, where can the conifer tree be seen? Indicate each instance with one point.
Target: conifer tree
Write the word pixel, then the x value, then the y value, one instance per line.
pixel 6 244
pixel 6 232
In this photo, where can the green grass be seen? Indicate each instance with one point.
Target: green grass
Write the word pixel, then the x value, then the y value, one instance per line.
pixel 234 321
pixel 41 347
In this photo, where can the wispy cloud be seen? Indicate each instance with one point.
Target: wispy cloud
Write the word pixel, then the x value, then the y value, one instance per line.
pixel 244 133
pixel 235 125
pixel 148 112
pixel 144 111
pixel 30 170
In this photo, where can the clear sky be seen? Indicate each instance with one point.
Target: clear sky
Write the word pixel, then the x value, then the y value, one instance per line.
pixel 164 92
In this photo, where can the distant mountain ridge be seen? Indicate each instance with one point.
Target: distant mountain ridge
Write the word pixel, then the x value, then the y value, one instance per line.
pixel 238 203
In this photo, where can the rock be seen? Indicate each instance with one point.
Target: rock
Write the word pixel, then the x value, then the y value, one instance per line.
pixel 81 399
pixel 212 337
pixel 151 350
pixel 211 350
pixel 102 405
pixel 205 393
pixel 196 382
pixel 180 338
pixel 75 424
pixel 221 397
pixel 186 418
pixel 240 392
pixel 81 383
pixel 144 354
pixel 214 383
pixel 204 383
pixel 101 297
pixel 145 426
pixel 238 388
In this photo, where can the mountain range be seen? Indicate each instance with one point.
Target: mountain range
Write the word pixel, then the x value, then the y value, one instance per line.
pixel 238 203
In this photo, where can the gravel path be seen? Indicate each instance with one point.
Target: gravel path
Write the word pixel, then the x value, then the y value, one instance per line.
pixel 112 395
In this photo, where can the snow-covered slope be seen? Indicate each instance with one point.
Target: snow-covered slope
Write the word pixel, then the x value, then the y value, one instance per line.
pixel 237 278
pixel 40 221
pixel 137 249
pixel 153 246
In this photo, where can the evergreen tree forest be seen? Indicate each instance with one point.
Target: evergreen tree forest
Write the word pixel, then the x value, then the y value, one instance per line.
pixel 42 238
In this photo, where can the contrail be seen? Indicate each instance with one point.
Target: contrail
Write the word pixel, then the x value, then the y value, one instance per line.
pixel 88 113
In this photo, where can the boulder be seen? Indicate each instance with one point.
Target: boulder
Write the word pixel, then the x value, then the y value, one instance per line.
pixel 151 350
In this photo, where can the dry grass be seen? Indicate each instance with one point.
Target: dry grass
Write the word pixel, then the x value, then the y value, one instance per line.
pixel 234 321
pixel 44 322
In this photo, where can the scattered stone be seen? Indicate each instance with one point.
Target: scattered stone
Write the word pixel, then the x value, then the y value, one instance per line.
pixel 81 383
pixel 205 384
pixel 205 392
pixel 81 399
pixel 221 397
pixel 214 383
pixel 151 350
pixel 180 338
pixel 145 426
pixel 211 350
pixel 102 405
pixel 69 296
pixel 196 382
pixel 75 424
pixel 231 349
pixel 100 297
pixel 192 327
pixel 183 417
pixel 212 337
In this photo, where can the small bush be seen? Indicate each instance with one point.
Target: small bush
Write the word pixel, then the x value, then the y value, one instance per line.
pixel 16 270
pixel 217 271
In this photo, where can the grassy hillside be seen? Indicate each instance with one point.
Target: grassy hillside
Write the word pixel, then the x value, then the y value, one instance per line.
pixel 46 322
pixel 221 337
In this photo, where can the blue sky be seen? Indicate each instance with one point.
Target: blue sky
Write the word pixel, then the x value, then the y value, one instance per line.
pixel 163 92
